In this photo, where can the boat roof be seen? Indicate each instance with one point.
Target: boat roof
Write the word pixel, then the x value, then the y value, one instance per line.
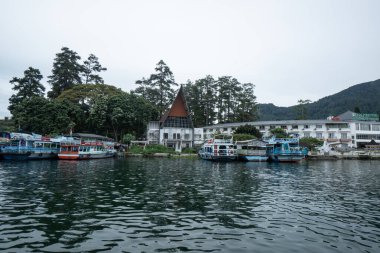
pixel 90 136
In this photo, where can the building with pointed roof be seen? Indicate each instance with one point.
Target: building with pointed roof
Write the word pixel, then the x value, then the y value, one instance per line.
pixel 175 128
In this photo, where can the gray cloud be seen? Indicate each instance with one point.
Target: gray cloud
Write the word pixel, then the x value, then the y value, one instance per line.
pixel 289 49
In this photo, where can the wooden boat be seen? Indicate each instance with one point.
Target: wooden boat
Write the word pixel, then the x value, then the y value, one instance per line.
pixel 218 150
pixel 22 146
pixel 252 151
pixel 284 150
pixel 86 146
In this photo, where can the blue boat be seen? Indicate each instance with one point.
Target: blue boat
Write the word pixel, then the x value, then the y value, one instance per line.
pixel 285 150
pixel 23 146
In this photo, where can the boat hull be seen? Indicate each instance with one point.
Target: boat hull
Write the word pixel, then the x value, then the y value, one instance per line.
pixel 79 156
pixel 285 158
pixel 28 156
pixel 253 158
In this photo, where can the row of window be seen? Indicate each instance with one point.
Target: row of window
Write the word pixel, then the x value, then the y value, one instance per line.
pixel 293 127
pixel 368 136
pixel 367 127
pixel 176 136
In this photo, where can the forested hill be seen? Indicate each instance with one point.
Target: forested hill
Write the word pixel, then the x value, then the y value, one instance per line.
pixel 364 97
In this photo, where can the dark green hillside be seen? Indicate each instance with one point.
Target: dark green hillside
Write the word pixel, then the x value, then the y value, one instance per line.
pixel 364 96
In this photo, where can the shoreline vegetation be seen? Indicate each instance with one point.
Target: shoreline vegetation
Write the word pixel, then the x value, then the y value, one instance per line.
pixel 160 151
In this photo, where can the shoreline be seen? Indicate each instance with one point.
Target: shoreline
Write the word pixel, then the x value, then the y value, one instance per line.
pixel 310 157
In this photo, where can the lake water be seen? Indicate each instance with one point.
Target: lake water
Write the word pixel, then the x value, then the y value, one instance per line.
pixel 175 205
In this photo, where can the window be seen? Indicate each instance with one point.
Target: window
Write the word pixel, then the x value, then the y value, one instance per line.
pixel 375 127
pixel 331 135
pixel 365 127
pixel 306 126
pixel 368 136
pixel 182 122
pixel 166 136
pixel 262 127
pixel 272 127
pixel 284 127
pixel 343 135
pixel 294 126
pixel 174 136
pixel 306 135
pixel 187 136
pixel 178 136
pixel 318 126
pixel 319 135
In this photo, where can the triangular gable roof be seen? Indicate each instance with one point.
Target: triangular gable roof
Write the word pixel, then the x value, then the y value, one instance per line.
pixel 178 108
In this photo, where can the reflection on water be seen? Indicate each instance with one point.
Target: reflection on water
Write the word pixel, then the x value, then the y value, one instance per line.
pixel 172 205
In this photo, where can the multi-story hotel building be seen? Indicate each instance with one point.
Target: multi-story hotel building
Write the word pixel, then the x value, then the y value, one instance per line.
pixel 346 130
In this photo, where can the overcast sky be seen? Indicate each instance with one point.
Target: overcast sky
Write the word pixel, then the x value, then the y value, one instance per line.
pixel 291 50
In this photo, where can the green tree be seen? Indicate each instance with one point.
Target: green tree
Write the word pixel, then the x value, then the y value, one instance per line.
pixel 127 138
pixel 44 116
pixel 158 89
pixel 120 113
pixel 310 142
pixel 26 87
pixel 66 72
pixel 201 100
pixel 91 67
pixel 248 129
pixel 279 133
pixel 246 108
pixel 302 108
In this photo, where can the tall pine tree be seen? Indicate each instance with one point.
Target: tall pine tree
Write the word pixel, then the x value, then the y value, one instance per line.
pixel 158 89
pixel 66 72
pixel 91 67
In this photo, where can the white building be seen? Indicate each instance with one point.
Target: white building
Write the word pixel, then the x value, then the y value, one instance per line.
pixel 175 128
pixel 346 130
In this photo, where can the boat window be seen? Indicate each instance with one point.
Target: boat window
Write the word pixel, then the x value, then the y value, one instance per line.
pixel 222 147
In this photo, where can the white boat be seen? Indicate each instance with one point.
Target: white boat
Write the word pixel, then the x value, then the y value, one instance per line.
pixel 218 150
pixel 86 146
pixel 252 151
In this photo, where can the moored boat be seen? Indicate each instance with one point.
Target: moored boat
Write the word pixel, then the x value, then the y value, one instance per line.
pixel 218 150
pixel 22 146
pixel 252 151
pixel 284 150
pixel 86 146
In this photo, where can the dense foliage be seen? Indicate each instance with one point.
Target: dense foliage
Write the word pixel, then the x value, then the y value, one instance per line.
pixel 158 89
pixel 79 100
pixel 243 137
pixel 279 133
pixel 248 129
pixel 362 98
pixel 310 142
pixel 220 100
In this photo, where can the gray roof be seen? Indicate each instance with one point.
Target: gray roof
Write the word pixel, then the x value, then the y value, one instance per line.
pixel 274 122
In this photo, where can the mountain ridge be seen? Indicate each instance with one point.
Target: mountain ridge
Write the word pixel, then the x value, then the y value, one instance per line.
pixel 364 97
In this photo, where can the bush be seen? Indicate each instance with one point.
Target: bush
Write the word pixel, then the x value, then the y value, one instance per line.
pixel 243 137
pixel 189 151
pixel 248 129
pixel 156 148
pixel 135 149
pixel 310 142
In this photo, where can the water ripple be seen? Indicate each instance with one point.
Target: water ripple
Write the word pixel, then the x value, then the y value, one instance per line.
pixel 169 205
